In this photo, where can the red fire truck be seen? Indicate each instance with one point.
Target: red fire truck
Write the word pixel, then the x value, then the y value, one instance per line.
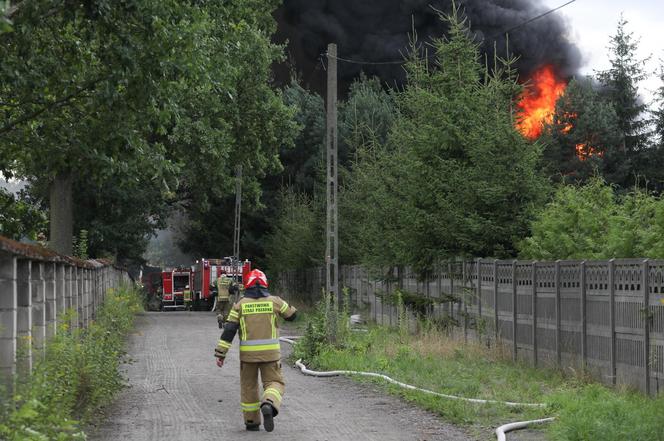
pixel 174 282
pixel 205 274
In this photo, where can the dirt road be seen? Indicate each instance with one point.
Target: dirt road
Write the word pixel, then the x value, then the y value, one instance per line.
pixel 177 393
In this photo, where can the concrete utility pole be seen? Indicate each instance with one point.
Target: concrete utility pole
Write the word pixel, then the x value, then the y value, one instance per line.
pixel 238 213
pixel 332 233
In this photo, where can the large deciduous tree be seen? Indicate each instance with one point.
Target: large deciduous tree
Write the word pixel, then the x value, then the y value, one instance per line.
pixel 134 105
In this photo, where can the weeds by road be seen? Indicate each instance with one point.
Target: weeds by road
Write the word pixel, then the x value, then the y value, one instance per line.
pixel 79 374
pixel 432 360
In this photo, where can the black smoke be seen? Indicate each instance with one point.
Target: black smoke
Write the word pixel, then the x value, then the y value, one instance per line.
pixel 378 30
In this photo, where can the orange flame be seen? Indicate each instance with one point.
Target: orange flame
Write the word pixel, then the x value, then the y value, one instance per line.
pixel 538 102
pixel 585 151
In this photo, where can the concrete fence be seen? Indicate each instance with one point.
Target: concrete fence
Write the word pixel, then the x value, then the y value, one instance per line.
pixel 604 317
pixel 37 286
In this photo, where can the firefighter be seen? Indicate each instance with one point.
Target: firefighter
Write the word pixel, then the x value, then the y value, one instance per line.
pixel 186 296
pixel 255 316
pixel 223 298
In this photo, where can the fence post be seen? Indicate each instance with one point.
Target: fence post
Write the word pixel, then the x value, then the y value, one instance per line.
pixel 495 297
pixel 75 298
pixel 80 298
pixel 50 300
pixel 464 300
pixel 59 289
pixel 646 324
pixel 514 311
pixel 558 322
pixel 38 309
pixel 584 315
pixel 24 317
pixel 8 302
pixel 68 288
pixel 478 274
pixel 612 319
pixel 534 302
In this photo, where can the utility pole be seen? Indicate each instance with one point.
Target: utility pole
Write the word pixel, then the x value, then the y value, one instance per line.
pixel 332 233
pixel 238 214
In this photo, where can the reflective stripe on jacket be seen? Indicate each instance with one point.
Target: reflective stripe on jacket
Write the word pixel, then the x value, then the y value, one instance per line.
pixel 256 321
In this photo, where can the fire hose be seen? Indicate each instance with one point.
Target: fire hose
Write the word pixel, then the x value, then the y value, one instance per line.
pixel 500 431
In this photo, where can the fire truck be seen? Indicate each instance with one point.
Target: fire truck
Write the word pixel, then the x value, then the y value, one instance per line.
pixel 174 282
pixel 205 273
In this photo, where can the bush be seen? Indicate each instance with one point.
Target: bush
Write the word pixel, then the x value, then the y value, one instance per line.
pixel 79 374
pixel 593 222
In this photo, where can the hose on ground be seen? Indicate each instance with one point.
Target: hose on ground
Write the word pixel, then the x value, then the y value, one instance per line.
pixel 500 431
pixel 505 428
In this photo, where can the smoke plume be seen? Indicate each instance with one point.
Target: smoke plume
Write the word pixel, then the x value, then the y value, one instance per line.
pixel 377 30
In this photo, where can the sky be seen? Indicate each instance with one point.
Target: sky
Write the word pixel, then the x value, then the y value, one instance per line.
pixel 593 22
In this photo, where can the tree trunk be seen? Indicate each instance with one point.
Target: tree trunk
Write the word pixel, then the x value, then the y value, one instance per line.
pixel 62 214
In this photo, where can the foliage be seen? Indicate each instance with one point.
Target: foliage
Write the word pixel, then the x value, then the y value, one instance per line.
pixel 296 240
pixel 156 101
pixel 583 120
pixel 446 364
pixel 5 23
pixel 456 178
pixel 79 374
pixel 20 217
pixel 596 412
pixel 593 222
pixel 81 245
pixel 327 325
pixel 621 87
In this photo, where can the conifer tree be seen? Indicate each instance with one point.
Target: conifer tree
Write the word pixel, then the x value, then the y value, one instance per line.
pixel 621 82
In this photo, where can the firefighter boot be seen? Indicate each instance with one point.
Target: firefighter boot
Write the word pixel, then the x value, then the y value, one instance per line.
pixel 268 416
pixel 273 385
pixel 253 427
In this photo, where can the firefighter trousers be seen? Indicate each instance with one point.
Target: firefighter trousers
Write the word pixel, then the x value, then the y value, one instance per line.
pixel 223 308
pixel 273 388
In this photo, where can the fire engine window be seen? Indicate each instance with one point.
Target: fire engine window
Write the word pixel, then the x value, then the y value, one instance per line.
pixel 180 282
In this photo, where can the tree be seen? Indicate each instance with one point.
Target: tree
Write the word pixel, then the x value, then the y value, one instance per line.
pixel 458 179
pixel 621 82
pixel 583 137
pixel 658 113
pixel 595 221
pixel 159 98
pixel 20 217
pixel 574 225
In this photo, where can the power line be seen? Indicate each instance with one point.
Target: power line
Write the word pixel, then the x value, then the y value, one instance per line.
pixel 382 63
pixel 347 60
pixel 531 20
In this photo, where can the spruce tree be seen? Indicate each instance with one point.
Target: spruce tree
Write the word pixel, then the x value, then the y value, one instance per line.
pixel 621 82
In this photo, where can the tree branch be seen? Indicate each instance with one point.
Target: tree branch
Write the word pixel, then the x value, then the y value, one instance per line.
pixel 54 105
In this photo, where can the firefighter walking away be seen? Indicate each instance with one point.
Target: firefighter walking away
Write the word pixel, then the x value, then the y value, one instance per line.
pixel 255 317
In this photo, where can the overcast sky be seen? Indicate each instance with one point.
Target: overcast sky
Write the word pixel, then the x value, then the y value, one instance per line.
pixel 593 22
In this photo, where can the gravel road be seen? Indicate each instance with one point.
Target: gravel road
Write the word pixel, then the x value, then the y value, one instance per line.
pixel 177 393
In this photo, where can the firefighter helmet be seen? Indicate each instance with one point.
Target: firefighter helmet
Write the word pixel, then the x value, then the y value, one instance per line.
pixel 256 277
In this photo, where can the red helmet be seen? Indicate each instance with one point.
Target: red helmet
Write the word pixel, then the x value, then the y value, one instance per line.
pixel 256 277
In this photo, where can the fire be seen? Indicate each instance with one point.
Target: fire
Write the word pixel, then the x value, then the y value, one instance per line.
pixel 585 151
pixel 538 103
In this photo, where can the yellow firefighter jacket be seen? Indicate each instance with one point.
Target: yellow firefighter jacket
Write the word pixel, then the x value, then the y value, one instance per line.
pixel 223 283
pixel 255 317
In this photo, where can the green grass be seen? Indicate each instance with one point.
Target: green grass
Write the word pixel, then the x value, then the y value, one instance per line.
pixel 430 360
pixel 79 374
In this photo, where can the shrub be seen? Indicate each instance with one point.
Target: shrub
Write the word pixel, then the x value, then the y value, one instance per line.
pixel 78 375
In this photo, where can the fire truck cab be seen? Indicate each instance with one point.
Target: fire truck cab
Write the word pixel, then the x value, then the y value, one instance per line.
pixel 205 275
pixel 174 283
